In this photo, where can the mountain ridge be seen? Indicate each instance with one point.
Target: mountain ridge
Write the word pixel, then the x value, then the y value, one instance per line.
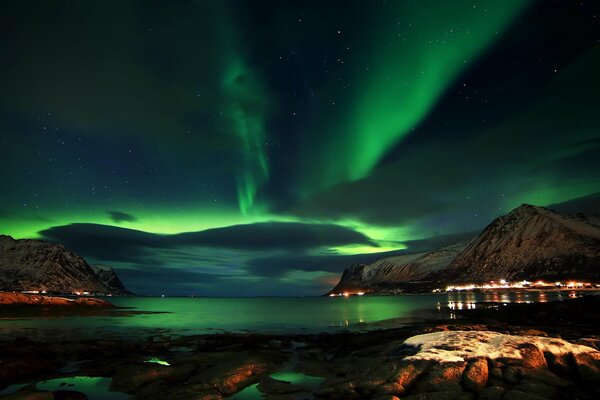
pixel 36 265
pixel 530 242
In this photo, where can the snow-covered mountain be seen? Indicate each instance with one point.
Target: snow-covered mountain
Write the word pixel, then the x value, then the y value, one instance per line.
pixel 37 265
pixel 532 242
pixel 529 243
pixel 386 274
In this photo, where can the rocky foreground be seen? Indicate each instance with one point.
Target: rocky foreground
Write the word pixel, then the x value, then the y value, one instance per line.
pixel 480 355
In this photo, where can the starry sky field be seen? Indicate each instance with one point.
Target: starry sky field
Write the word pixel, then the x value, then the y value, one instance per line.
pixel 259 147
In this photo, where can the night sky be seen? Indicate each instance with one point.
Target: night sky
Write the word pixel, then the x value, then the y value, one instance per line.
pixel 248 147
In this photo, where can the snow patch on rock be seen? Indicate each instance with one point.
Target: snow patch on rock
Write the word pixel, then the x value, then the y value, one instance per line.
pixel 456 346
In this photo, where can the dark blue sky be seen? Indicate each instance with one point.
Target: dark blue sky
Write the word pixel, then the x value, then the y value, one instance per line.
pixel 259 147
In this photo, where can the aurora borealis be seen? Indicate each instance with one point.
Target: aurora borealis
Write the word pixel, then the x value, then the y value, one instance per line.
pixel 260 147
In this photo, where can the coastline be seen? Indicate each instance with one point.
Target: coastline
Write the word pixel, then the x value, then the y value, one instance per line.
pixel 347 365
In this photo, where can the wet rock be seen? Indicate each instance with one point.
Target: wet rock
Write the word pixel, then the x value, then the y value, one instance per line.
pixel 230 375
pixel 129 378
pixel 519 395
pixel 442 377
pixel 475 376
pixel 69 395
pixel 274 386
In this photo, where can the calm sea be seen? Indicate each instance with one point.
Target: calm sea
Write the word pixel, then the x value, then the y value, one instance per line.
pixel 183 315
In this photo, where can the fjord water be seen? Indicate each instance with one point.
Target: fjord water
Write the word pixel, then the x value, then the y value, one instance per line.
pixel 185 315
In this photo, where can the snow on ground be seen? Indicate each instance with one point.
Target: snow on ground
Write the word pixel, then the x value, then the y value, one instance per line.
pixel 451 346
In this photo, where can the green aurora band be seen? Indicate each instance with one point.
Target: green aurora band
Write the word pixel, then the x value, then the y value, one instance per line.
pixel 404 80
pixel 244 105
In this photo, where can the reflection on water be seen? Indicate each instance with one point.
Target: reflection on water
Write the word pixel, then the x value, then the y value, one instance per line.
pixel 181 316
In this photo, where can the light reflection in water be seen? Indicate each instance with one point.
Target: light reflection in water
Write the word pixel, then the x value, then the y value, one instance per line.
pixel 183 316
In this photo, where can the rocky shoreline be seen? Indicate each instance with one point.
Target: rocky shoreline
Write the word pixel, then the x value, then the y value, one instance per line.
pixel 505 353
pixel 15 299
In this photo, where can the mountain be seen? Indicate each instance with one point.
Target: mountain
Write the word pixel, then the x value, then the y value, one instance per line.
pixel 37 265
pixel 390 274
pixel 109 277
pixel 530 242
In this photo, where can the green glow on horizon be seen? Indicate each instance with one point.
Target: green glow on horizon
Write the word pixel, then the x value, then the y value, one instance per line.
pixel 417 57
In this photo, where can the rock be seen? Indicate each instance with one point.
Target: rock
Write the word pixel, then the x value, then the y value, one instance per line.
pixel 491 393
pixel 588 366
pixel 25 367
pixel 475 376
pixel 532 356
pixel 544 376
pixel 519 395
pixel 69 395
pixel 337 390
pixel 538 388
pixel 559 363
pixel 442 377
pixel 129 378
pixel 230 375
pixel 446 395
pixel 29 395
pixel 512 374
pixel 274 386
pixel 589 342
pixel 407 374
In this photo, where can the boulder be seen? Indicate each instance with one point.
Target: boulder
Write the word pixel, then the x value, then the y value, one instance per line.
pixel 445 376
pixel 475 376
pixel 407 373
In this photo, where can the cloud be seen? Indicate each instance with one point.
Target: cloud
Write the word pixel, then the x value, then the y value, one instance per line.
pixel 280 265
pixel 106 242
pixel 586 204
pixel 120 216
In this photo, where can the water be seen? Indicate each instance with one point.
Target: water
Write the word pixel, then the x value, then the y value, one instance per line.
pixel 181 316
pixel 94 387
